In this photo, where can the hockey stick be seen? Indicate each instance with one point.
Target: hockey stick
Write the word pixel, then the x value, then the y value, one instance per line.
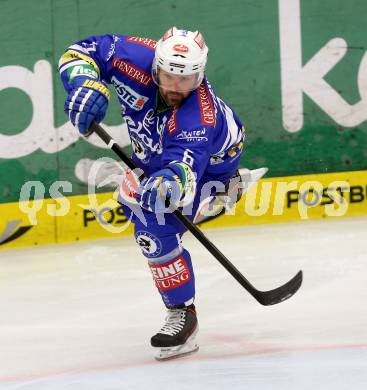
pixel 266 298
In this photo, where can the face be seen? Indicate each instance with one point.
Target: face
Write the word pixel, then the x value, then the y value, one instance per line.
pixel 175 88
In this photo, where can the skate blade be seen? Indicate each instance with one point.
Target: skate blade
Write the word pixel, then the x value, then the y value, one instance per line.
pixel 191 346
pixel 162 355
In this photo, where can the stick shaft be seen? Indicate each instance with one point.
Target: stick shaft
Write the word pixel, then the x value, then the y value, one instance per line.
pixel 265 298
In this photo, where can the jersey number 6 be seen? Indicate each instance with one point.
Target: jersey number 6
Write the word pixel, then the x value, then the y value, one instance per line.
pixel 187 158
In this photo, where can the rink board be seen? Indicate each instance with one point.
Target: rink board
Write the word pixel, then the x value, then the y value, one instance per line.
pixel 308 48
pixel 282 199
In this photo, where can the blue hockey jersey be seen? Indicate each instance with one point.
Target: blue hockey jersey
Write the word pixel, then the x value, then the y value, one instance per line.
pixel 203 132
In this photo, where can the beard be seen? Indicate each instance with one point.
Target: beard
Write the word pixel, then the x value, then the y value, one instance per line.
pixel 173 99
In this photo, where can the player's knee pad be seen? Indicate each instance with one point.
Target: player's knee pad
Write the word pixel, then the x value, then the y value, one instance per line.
pixel 158 246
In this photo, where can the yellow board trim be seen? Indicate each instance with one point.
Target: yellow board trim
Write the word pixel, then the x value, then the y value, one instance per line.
pixel 272 200
pixel 269 201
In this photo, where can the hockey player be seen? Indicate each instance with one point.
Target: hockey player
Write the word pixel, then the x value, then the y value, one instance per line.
pixel 184 137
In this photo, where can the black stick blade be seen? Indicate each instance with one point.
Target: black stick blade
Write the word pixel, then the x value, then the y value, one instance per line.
pixel 280 294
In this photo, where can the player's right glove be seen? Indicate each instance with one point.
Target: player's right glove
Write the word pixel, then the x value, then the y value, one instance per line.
pixel 160 191
pixel 86 102
pixel 169 188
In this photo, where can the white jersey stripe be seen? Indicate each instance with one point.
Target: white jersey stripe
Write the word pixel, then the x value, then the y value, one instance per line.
pixel 80 48
pixel 72 63
pixel 234 132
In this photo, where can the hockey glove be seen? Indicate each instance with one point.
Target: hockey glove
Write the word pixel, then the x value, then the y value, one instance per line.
pixel 160 191
pixel 167 188
pixel 86 102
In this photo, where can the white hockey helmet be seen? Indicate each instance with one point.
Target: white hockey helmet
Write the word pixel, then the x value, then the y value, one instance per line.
pixel 182 53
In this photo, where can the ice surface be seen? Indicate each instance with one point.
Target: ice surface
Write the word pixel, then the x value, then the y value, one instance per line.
pixel 80 316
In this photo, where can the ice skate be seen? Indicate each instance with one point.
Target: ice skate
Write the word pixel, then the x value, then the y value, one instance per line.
pixel 177 337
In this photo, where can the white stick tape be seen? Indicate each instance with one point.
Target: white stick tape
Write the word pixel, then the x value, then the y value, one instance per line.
pixel 111 143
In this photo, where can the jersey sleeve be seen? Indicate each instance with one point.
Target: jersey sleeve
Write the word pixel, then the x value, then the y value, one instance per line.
pixel 86 59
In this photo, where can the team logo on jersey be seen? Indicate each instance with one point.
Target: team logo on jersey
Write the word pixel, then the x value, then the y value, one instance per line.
pixel 128 95
pixel 132 72
pixel 149 244
pixel 206 106
pixel 145 135
pixel 170 275
pixel 147 42
pixel 140 149
pixel 193 135
pixel 180 48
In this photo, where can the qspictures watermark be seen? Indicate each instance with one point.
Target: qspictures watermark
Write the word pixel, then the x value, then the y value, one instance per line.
pixel 276 198
pixel 270 198
pixel 282 196
pixel 108 213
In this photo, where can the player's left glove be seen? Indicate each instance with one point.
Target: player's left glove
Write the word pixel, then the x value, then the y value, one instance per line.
pixel 86 102
pixel 166 188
